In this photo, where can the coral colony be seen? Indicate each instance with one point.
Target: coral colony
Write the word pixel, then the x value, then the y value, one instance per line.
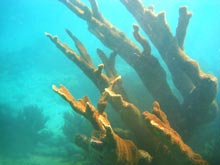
pixel 155 140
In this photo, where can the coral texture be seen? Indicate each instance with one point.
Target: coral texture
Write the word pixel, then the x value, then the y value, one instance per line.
pixel 155 140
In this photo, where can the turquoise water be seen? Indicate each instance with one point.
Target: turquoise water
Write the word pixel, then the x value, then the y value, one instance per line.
pixel 30 64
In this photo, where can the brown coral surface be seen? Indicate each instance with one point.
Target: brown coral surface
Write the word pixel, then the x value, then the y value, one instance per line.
pixel 155 140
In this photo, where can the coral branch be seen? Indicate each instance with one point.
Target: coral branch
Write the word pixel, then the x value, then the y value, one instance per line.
pixel 82 50
pixel 108 146
pixel 152 131
pixel 184 18
pixel 82 141
pixel 99 70
pixel 197 84
pixel 147 67
pixel 95 10
pixel 141 40
pixel 100 80
pixel 78 8
pixel 168 141
pixel 159 113
pixel 109 63
pixel 83 107
pixel 156 127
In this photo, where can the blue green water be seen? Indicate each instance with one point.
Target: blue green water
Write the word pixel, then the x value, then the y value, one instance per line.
pixel 30 63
